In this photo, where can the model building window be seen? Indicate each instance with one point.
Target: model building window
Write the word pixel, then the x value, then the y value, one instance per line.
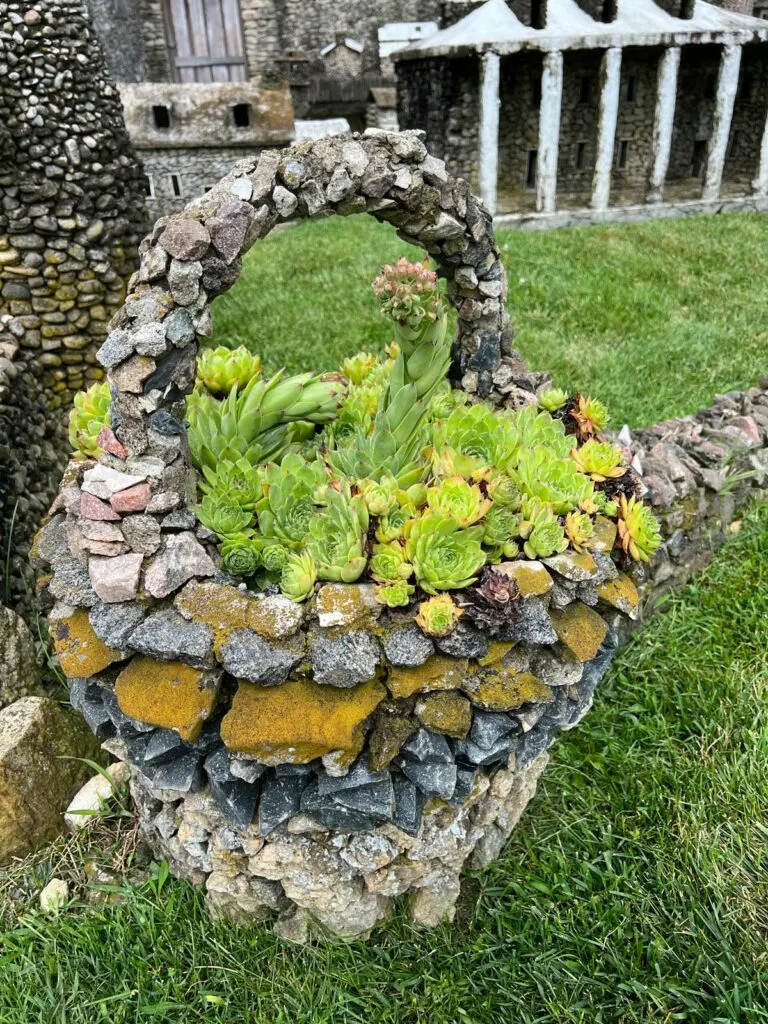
pixel 149 186
pixel 581 156
pixel 733 144
pixel 177 188
pixel 630 93
pixel 531 168
pixel 161 115
pixel 536 93
pixel 622 155
pixel 710 87
pixel 699 160
pixel 241 115
pixel 585 89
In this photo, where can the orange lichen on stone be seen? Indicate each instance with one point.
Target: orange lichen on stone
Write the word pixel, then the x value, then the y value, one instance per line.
pixel 226 609
pixel 448 713
pixel 497 650
pixel 604 537
pixel 532 578
pixel 437 673
pixel 168 694
pixel 79 650
pixel 580 630
pixel 346 604
pixel 298 721
pixel 621 593
pixel 500 690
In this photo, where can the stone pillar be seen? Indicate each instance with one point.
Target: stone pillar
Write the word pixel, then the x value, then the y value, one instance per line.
pixel 663 121
pixel 760 184
pixel 490 69
pixel 610 82
pixel 727 86
pixel 549 131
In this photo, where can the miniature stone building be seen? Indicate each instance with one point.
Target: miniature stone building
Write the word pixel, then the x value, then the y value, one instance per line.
pixel 71 217
pixel 562 114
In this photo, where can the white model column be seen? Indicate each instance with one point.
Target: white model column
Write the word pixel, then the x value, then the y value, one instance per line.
pixel 727 84
pixel 549 132
pixel 663 122
pixel 760 184
pixel 610 82
pixel 489 129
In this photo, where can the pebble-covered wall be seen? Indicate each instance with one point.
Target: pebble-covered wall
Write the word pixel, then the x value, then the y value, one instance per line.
pixel 71 216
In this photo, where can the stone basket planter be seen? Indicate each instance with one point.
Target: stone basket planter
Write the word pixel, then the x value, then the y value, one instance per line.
pixel 313 760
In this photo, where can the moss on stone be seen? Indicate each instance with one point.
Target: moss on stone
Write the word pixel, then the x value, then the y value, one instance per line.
pixel 580 630
pixel 532 578
pixel 389 733
pixel 499 690
pixel 437 673
pixel 226 609
pixel 604 537
pixel 168 694
pixel 448 713
pixel 346 604
pixel 80 652
pixel 622 594
pixel 497 651
pixel 298 721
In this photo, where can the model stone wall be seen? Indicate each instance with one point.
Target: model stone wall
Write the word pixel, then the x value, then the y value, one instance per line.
pixel 694 114
pixel 520 92
pixel 635 121
pixel 71 217
pixel 748 117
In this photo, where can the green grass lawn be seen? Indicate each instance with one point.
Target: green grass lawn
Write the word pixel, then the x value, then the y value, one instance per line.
pixel 655 317
pixel 636 887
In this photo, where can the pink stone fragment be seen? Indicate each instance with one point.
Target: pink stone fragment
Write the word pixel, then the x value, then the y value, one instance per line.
pixel 182 558
pixel 115 579
pixel 109 443
pixel 747 426
pixel 104 547
pixel 135 499
pixel 92 507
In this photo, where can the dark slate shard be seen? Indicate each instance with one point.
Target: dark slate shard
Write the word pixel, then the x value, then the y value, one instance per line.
pixel 185 774
pixel 432 779
pixel 280 800
pixel 97 714
pixel 341 819
pixel 558 713
pixel 464 641
pixel 376 801
pixel 164 745
pixel 488 353
pixel 246 769
pixel 304 770
pixel 531 625
pixel 180 519
pixel 344 660
pixel 219 276
pixel 534 744
pixel 407 647
pixel 409 804
pixel 246 655
pixel 210 736
pixel 122 722
pixel 77 691
pixel 427 747
pixel 166 425
pixel 358 775
pixel 236 800
pixel 465 780
pixel 217 766
pixel 114 623
pixel 468 752
pixel 488 727
pixel 163 375
pixel 169 636
pixel 595 670
pixel 136 744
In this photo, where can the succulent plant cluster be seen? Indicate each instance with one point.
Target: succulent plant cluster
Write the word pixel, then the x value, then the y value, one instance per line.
pixel 382 472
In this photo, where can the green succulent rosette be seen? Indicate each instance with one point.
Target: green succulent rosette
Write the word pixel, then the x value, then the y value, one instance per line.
pixel 380 496
pixel 337 537
pixel 89 415
pixel 461 499
pixel 394 595
pixel 639 530
pixel 298 576
pixel 444 556
pixel 223 515
pixel 501 527
pixel 237 481
pixel 599 460
pixel 541 530
pixel 289 502
pixel 552 400
pixel 438 616
pixel 240 555
pixel 389 564
pixel 551 479
pixel 221 369
pixel 274 556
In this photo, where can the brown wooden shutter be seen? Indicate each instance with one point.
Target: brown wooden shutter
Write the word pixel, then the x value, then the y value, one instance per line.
pixel 206 40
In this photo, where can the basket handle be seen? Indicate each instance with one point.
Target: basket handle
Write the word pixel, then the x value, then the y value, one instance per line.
pixel 194 256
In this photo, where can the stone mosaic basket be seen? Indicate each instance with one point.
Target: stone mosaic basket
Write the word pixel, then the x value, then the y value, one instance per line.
pixel 313 760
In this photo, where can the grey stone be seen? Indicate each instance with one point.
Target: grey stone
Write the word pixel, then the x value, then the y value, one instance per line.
pixel 313 196
pixel 534 744
pixel 358 775
pixel 164 745
pixel 465 780
pixel 150 340
pixel 236 800
pixel 71 584
pixel 246 655
pixel 285 201
pixel 19 673
pixel 179 329
pixel 103 481
pixel 332 814
pixel 167 635
pixel 376 801
pixel 407 647
pixel 340 186
pixel 118 346
pixel 432 779
pixel 280 801
pixel 182 558
pixel 427 747
pixel 229 226
pixel 464 641
pixel 114 623
pixel 184 282
pixel 344 660
pixel 246 769
pixel 95 712
pixel 115 579
pixel 142 533
pixel 185 239
pixel 180 519
pixel 488 727
pixel 499 753
pixel 531 625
